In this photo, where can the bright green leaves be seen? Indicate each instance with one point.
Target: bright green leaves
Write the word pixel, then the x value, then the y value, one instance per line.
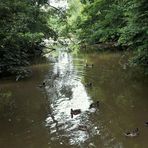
pixel 121 21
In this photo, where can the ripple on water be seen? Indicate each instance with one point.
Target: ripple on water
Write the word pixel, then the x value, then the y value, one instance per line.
pixel 68 92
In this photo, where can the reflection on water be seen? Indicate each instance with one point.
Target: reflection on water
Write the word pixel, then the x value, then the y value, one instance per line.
pixel 22 118
pixel 67 92
pixel 113 86
pixel 36 117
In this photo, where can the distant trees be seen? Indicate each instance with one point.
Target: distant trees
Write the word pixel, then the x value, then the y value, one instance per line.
pixel 23 25
pixel 121 21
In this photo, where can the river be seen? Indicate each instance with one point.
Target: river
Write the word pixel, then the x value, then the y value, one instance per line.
pixel 39 117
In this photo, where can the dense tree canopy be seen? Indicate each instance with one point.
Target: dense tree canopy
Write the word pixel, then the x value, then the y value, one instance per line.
pixel 23 26
pixel 25 23
pixel 122 22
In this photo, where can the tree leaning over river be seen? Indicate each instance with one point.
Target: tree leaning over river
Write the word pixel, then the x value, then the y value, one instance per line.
pixel 23 26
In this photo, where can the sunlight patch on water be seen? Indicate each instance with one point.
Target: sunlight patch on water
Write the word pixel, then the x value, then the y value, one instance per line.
pixel 69 93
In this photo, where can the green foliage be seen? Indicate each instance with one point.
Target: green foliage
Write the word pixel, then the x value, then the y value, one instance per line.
pixel 23 25
pixel 122 22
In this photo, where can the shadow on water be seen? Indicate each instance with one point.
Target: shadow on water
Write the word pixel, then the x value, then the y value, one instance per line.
pixel 22 116
pixel 41 117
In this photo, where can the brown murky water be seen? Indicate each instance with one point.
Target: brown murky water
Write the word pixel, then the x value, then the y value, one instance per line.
pixel 36 117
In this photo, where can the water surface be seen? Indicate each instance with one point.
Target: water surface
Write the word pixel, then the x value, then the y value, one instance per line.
pixel 40 117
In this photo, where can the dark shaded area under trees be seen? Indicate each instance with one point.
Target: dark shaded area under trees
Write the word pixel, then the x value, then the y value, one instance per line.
pixel 23 26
